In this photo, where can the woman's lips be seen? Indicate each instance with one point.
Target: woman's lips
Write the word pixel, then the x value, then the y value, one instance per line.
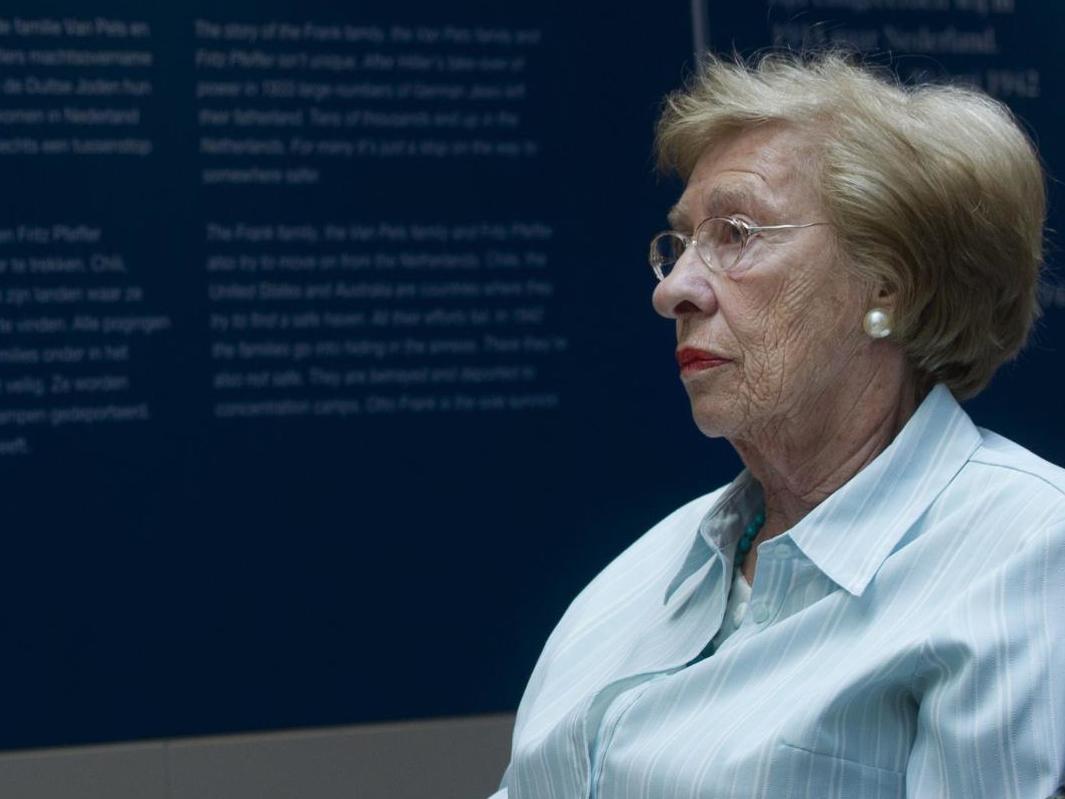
pixel 694 360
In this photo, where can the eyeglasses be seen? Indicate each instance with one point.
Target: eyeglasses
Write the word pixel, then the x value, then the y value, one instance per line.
pixel 720 242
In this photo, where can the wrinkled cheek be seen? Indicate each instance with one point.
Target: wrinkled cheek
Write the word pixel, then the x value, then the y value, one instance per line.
pixel 762 377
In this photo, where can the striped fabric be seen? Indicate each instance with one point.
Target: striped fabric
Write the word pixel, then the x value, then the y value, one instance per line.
pixel 905 639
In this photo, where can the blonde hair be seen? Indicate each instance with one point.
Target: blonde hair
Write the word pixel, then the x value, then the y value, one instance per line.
pixel 935 192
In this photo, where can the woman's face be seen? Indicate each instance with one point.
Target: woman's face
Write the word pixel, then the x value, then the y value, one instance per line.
pixel 783 334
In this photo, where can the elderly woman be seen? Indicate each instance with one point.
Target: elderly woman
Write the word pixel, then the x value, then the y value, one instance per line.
pixel 875 607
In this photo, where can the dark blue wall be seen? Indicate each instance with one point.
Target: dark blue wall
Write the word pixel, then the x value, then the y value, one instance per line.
pixel 170 568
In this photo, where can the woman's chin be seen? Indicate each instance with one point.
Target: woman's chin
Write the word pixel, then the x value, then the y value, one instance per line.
pixel 712 423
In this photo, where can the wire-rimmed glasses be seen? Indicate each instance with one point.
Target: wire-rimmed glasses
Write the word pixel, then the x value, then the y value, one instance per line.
pixel 720 241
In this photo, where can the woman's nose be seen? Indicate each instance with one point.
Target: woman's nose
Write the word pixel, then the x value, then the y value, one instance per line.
pixel 686 290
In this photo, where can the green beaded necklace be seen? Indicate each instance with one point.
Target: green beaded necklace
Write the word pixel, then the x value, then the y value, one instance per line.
pixel 742 548
pixel 747 539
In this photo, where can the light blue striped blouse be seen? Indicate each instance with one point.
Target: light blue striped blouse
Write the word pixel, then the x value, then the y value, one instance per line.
pixel 905 639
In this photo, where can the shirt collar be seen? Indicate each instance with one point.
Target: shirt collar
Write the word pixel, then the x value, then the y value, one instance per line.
pixel 851 533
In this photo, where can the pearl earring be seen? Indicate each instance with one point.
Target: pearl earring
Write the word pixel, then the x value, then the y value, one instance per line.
pixel 877 323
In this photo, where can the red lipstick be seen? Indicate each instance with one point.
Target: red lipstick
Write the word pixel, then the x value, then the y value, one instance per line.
pixel 691 360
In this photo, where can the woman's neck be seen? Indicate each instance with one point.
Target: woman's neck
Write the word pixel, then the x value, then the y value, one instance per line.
pixel 801 461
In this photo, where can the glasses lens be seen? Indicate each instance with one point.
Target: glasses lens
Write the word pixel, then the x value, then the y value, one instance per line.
pixel 720 243
pixel 666 250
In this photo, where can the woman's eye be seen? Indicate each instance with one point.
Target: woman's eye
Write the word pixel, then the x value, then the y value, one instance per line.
pixel 734 231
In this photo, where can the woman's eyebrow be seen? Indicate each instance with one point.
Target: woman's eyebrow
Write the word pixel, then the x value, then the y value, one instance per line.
pixel 722 199
pixel 729 198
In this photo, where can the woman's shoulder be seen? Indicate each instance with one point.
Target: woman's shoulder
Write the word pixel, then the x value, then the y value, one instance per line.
pixel 624 596
pixel 675 531
pixel 1018 467
pixel 1003 493
pixel 654 557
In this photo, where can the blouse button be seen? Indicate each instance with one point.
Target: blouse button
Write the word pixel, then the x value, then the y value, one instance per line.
pixel 759 612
